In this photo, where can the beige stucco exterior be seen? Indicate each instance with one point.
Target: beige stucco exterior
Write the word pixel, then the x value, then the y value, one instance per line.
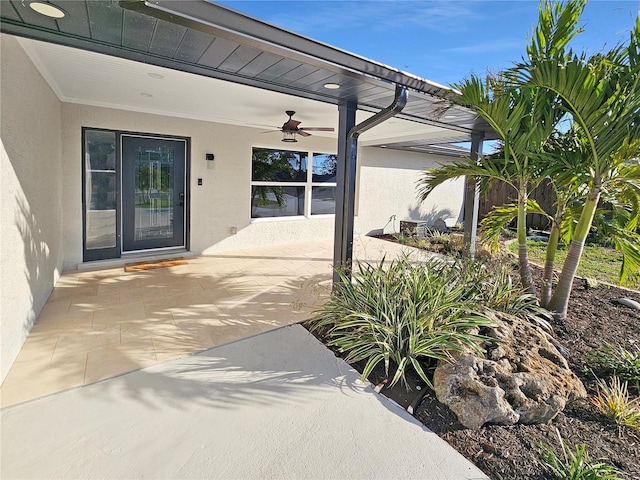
pixel 31 214
pixel 387 186
pixel 42 188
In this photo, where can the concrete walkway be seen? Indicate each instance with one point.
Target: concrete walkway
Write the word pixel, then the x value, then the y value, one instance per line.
pixel 276 405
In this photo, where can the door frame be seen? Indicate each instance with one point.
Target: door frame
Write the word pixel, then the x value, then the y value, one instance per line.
pixel 117 252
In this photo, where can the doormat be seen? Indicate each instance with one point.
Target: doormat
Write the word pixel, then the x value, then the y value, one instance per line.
pixel 142 266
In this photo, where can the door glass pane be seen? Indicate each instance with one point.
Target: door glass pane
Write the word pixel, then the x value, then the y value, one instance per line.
pixel 323 200
pixel 154 195
pixel 276 201
pixel 100 189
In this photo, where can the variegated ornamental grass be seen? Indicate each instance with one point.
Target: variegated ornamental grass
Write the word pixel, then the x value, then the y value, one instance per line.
pixel 407 314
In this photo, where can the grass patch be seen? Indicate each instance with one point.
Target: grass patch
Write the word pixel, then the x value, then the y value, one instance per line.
pixel 618 360
pixel 576 465
pixel 601 263
pixel 613 401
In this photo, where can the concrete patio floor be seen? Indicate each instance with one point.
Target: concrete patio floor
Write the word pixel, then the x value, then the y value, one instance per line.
pixel 276 405
pixel 102 323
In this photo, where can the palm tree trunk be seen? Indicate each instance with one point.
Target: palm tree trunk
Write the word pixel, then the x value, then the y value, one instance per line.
pixel 549 262
pixel 523 257
pixel 560 300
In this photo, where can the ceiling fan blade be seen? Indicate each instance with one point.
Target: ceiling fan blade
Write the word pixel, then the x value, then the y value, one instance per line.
pixel 272 131
pixel 302 133
pixel 318 129
pixel 291 124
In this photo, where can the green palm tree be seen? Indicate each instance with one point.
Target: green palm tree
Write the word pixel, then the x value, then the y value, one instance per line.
pixel 601 97
pixel 524 117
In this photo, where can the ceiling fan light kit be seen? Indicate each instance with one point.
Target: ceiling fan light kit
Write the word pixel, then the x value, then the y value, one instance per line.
pixel 288 136
pixel 290 128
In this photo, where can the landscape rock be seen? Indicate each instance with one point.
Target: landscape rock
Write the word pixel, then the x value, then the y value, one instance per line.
pixel 521 379
pixel 627 302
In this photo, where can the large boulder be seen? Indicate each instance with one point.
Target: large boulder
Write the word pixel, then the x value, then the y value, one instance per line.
pixel 521 379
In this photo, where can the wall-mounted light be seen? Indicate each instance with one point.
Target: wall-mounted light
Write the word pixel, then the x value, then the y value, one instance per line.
pixel 209 157
pixel 289 136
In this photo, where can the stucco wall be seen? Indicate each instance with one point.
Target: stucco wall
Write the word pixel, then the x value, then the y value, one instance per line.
pixel 223 200
pixel 387 187
pixel 386 183
pixel 31 197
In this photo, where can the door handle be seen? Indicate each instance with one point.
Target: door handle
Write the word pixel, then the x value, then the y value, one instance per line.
pixel 181 197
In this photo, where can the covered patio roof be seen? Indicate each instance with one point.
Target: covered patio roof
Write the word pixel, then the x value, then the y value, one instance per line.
pixel 209 40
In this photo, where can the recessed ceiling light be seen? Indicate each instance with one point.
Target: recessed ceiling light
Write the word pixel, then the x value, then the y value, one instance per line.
pixel 155 75
pixel 145 94
pixel 383 146
pixel 331 86
pixel 47 9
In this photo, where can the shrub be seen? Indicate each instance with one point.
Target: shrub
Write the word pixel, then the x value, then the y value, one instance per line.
pixel 618 360
pixel 613 401
pixel 401 313
pixel 492 285
pixel 576 465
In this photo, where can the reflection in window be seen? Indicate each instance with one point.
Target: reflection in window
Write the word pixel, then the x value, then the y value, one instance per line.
pixel 278 166
pixel 323 200
pixel 324 168
pixel 277 201
pixel 100 189
pixel 284 185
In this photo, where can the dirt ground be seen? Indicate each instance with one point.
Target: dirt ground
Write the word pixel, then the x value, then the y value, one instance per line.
pixel 511 452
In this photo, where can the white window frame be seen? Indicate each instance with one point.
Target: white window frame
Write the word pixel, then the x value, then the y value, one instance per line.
pixel 308 187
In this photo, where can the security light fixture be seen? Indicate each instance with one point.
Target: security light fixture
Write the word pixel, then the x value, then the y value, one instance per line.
pixel 209 157
pixel 47 9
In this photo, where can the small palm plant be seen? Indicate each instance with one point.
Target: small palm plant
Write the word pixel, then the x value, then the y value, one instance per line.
pixel 576 465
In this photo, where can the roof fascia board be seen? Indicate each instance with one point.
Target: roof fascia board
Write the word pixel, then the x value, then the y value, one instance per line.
pixel 221 21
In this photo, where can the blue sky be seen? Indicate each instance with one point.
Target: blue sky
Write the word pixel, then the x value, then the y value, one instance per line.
pixel 443 41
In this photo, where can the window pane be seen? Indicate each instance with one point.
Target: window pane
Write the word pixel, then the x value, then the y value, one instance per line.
pixel 323 200
pixel 100 189
pixel 101 229
pixel 273 201
pixel 154 198
pixel 324 167
pixel 278 166
pixel 101 150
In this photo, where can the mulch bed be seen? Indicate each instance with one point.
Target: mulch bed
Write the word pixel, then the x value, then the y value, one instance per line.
pixel 511 452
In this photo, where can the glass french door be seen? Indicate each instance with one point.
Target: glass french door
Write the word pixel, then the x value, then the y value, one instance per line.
pixel 153 193
pixel 135 193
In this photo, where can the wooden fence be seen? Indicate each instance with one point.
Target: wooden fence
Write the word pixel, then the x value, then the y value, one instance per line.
pixel 501 194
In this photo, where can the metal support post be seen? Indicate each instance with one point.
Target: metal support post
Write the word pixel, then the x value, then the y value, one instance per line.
pixel 472 198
